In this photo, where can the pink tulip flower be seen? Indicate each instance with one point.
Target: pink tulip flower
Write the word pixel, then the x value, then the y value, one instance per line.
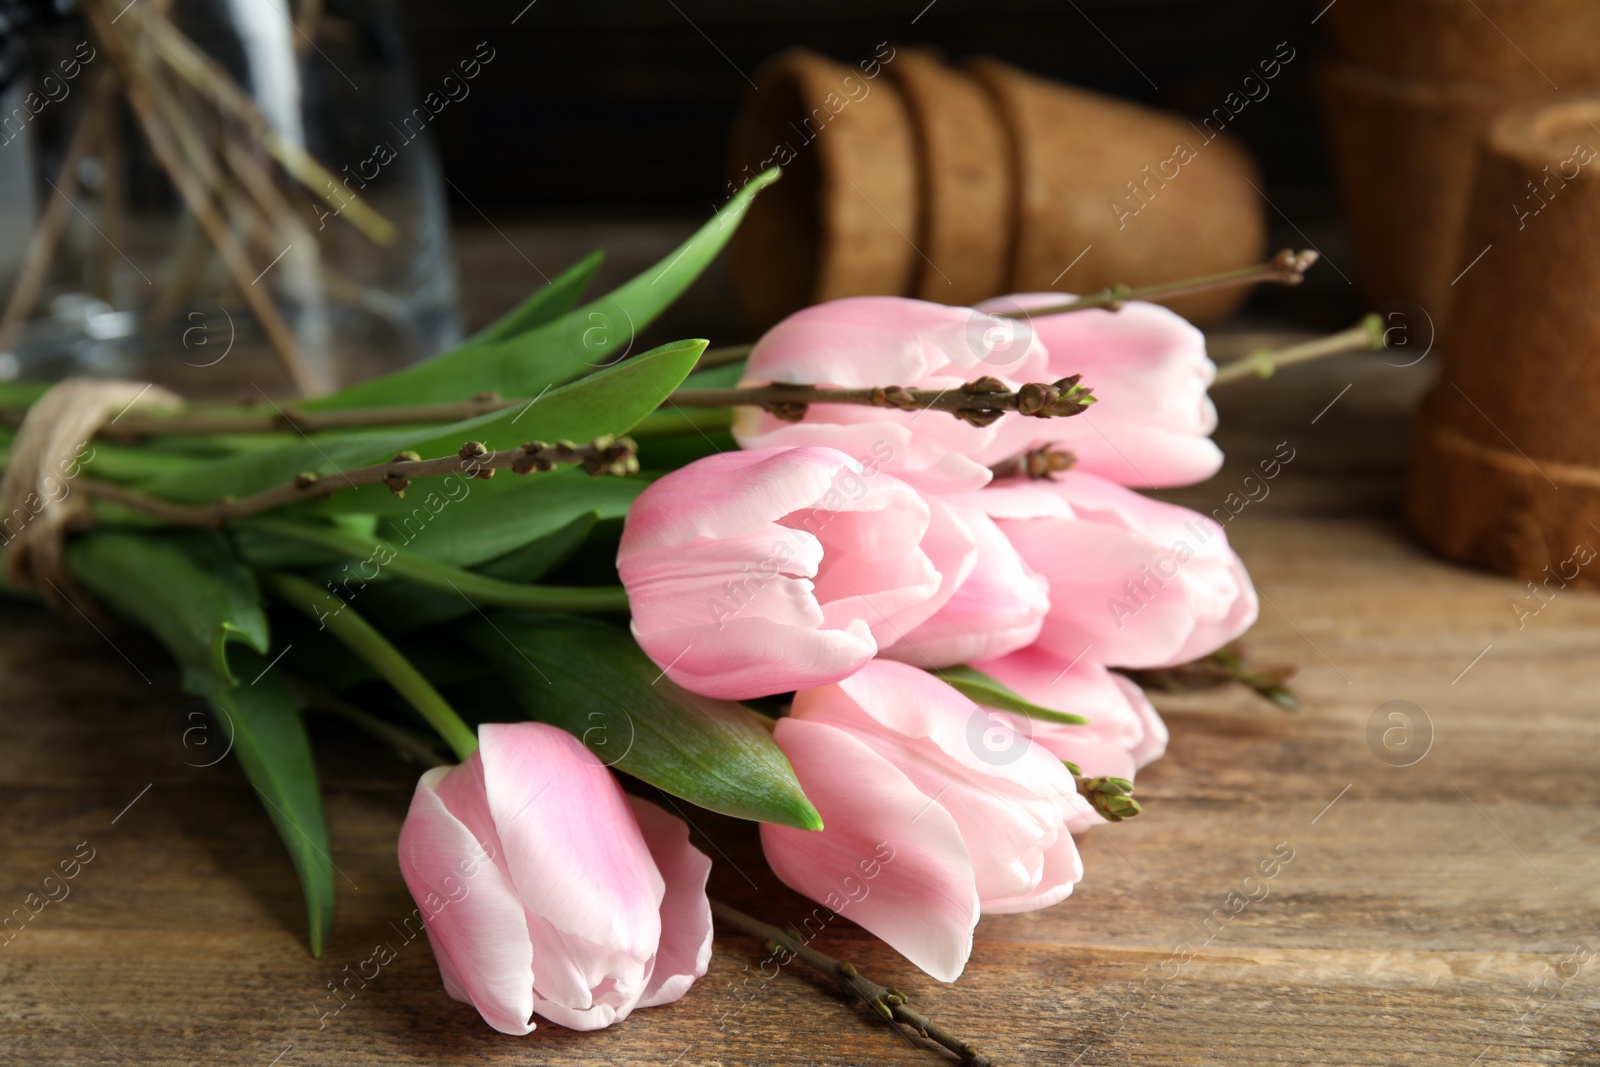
pixel 1134 582
pixel 1148 367
pixel 1124 732
pixel 866 341
pixel 760 572
pixel 998 608
pixel 934 811
pixel 547 890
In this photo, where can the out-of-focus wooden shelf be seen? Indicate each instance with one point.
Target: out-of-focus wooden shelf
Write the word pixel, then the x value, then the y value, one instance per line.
pixel 1439 913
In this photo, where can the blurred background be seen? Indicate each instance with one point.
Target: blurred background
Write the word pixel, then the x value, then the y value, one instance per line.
pixel 601 124
pixel 622 109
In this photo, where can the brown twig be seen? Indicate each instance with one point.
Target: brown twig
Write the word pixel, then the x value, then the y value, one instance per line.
pixel 888 1003
pixel 1044 462
pixel 198 200
pixel 1286 268
pixel 213 83
pixel 1225 666
pixel 604 455
pixel 979 402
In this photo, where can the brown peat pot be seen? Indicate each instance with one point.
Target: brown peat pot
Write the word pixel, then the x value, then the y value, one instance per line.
pixel 1506 466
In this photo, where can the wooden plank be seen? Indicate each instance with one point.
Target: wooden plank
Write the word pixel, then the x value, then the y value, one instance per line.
pixel 1429 914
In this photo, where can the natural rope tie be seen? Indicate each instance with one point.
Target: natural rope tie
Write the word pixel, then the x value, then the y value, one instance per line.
pixel 37 505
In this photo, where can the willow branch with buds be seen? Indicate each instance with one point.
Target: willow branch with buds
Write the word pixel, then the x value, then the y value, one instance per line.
pixel 604 455
pixel 1286 268
pixel 889 1003
pixel 978 402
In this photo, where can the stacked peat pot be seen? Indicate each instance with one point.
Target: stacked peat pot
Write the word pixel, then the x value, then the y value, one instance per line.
pixel 1506 470
pixel 905 176
pixel 1412 88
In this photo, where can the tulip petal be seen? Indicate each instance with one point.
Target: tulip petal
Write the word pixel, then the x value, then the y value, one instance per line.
pixel 1010 800
pixel 1153 744
pixel 1106 602
pixel 920 898
pixel 571 843
pixel 880 445
pixel 998 608
pixel 1149 370
pixel 685 950
pixel 1108 700
pixel 757 657
pixel 730 494
pixel 481 938
pixel 1063 869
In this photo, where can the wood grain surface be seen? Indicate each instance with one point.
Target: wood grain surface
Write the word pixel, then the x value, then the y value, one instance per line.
pixel 1437 913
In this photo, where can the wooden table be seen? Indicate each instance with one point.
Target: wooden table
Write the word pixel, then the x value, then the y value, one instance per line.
pixel 1436 913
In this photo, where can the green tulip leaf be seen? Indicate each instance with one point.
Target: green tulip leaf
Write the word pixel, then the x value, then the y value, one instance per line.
pixel 982 689
pixel 594 681
pixel 198 599
pixel 545 305
pixel 270 741
pixel 586 338
pixel 609 402
pixel 188 589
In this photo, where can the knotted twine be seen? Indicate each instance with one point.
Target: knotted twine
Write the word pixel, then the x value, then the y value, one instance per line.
pixel 37 505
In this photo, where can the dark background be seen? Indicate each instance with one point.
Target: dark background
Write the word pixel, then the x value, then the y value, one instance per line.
pixel 625 105
pixel 620 109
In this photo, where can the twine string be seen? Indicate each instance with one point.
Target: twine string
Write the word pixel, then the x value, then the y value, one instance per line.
pixel 37 506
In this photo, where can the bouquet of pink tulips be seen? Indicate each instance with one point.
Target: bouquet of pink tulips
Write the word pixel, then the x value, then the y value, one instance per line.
pixel 873 583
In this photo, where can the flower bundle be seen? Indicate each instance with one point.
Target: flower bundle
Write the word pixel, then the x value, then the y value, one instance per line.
pixel 869 585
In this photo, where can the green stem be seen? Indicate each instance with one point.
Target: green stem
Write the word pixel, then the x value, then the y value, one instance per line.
pixel 675 422
pixel 1368 334
pixel 722 355
pixel 431 574
pixel 362 638
pixel 1286 268
pixel 408 743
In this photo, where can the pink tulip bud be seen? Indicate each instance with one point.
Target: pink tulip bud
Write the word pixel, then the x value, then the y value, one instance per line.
pixel 867 341
pixel 934 810
pixel 760 572
pixel 1148 367
pixel 1134 582
pixel 998 608
pixel 545 890
pixel 1124 731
